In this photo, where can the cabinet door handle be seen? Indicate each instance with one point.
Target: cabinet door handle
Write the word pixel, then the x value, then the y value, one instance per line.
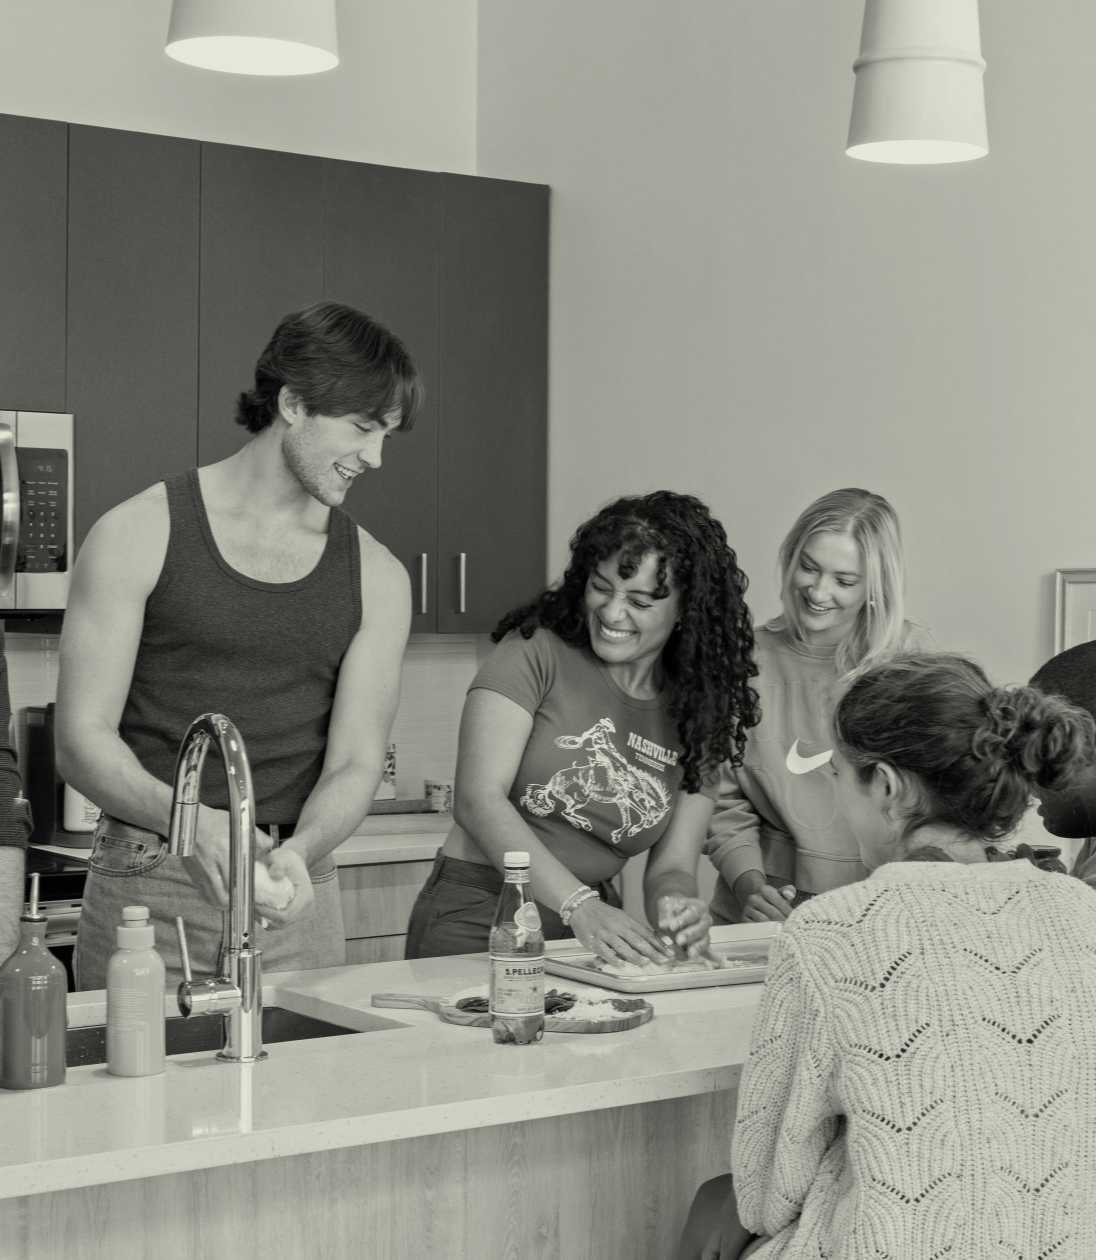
pixel 462 595
pixel 423 562
pixel 9 530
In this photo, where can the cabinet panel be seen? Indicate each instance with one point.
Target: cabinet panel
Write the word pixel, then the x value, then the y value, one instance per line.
pixel 376 949
pixel 381 256
pixel 261 258
pixel 377 900
pixel 132 312
pixel 33 157
pixel 493 432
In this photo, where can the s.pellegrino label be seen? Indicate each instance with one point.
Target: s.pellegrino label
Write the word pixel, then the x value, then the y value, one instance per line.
pixel 517 964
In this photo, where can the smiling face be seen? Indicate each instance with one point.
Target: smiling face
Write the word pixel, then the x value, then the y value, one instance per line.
pixel 828 587
pixel 326 453
pixel 628 623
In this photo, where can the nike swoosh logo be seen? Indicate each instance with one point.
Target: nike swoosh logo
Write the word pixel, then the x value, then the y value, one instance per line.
pixel 799 764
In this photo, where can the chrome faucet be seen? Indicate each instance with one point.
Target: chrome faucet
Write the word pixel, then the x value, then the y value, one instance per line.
pixel 237 992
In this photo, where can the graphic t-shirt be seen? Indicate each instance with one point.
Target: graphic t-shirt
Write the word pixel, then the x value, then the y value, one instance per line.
pixel 600 772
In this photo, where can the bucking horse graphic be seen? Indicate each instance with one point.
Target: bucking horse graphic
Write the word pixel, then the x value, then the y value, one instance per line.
pixel 607 778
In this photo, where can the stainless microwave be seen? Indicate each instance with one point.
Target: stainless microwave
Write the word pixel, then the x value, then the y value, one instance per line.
pixel 36 482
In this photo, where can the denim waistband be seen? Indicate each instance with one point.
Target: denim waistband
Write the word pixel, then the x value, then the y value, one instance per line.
pixel 472 874
pixel 278 832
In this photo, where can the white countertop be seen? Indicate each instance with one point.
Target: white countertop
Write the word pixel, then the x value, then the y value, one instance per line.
pixel 418 1077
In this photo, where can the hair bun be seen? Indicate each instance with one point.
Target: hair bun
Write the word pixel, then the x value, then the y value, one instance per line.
pixel 1042 738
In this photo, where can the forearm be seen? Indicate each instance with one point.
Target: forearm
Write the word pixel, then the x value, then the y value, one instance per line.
pixel 496 827
pixel 97 762
pixel 12 868
pixel 335 806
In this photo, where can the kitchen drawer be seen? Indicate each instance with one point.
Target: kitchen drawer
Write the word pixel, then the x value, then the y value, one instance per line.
pixel 377 900
pixel 376 949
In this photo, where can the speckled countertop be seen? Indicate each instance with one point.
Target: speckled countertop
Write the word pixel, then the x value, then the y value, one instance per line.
pixel 413 1076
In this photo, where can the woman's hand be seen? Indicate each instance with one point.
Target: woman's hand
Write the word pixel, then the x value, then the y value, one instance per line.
pixel 615 936
pixel 688 920
pixel 761 901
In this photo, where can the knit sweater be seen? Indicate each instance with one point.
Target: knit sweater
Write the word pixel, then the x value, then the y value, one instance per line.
pixel 921 1082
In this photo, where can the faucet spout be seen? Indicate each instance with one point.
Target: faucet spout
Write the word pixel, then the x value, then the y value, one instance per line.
pixel 237 991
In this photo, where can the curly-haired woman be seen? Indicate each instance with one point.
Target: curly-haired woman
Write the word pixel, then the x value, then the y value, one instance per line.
pixel 586 735
pixel 920 1075
pixel 777 834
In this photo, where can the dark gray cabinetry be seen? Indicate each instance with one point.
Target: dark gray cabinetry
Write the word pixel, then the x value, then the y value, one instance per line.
pixel 132 312
pixel 32 263
pixel 261 257
pixel 382 236
pixel 493 436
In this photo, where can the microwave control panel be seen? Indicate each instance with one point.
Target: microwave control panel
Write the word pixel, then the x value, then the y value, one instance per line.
pixel 43 495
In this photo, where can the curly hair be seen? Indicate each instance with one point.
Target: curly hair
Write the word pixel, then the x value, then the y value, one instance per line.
pixel 708 659
pixel 974 751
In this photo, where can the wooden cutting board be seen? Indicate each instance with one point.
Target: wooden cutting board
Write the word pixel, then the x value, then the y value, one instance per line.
pixel 620 1013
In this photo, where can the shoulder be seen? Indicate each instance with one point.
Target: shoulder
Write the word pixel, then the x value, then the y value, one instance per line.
pixel 382 574
pixel 917 638
pixel 131 539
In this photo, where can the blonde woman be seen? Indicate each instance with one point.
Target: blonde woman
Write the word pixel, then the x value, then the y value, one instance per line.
pixel 777 834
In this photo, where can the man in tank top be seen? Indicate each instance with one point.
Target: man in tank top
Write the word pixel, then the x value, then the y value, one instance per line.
pixel 242 587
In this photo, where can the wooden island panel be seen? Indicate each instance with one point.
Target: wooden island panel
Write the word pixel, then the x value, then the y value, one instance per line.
pixel 592 1186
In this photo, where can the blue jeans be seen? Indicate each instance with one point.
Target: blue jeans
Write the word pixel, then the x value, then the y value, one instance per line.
pixel 452 913
pixel 132 867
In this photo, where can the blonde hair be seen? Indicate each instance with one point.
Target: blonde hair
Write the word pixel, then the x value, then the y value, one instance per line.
pixel 880 630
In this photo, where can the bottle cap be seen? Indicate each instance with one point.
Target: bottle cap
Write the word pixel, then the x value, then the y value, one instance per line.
pixel 135 931
pixel 515 857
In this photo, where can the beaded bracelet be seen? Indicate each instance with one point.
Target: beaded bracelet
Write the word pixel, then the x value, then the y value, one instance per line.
pixel 582 893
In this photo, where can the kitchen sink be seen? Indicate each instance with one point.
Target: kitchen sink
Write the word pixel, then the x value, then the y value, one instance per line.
pixel 88 1044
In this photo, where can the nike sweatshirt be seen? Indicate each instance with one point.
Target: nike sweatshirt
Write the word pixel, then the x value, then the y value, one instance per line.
pixel 778 812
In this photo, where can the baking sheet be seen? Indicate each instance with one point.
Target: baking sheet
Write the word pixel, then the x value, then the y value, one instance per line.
pixel 576 964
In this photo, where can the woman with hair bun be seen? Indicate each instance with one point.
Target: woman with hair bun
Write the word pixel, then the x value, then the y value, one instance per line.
pixel 920 1078
pixel 776 835
pixel 586 735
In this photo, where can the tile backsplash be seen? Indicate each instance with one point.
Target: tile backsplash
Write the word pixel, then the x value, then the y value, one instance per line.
pixel 437 669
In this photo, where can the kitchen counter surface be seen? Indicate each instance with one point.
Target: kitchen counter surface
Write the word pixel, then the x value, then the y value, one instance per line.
pixel 416 1077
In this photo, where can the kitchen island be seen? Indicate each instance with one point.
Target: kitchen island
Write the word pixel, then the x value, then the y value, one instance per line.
pixel 412 1138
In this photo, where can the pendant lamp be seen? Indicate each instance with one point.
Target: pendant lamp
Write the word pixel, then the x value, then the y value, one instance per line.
pixel 273 37
pixel 918 96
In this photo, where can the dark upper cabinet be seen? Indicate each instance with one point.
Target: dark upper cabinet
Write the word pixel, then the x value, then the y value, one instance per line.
pixel 381 256
pixel 493 432
pixel 132 312
pixel 32 263
pixel 261 257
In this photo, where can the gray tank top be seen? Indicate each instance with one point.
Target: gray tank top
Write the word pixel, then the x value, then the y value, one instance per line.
pixel 265 654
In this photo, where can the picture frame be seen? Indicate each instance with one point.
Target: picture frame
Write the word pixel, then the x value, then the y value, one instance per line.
pixel 1074 607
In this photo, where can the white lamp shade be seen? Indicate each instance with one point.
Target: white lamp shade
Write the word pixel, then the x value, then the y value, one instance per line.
pixel 271 37
pixel 919 96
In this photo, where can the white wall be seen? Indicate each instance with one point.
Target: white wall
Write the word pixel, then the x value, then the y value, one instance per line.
pixel 403 94
pixel 740 311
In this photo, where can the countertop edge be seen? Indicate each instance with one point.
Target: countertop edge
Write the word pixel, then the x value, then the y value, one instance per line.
pixel 77 1172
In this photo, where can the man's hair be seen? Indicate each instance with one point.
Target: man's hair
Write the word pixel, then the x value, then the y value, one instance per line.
pixel 338 362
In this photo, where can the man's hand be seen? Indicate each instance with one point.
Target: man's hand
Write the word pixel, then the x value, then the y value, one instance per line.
pixel 762 902
pixel 208 865
pixel 287 863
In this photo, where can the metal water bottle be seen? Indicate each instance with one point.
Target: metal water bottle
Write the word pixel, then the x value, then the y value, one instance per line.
pixel 516 950
pixel 33 1017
